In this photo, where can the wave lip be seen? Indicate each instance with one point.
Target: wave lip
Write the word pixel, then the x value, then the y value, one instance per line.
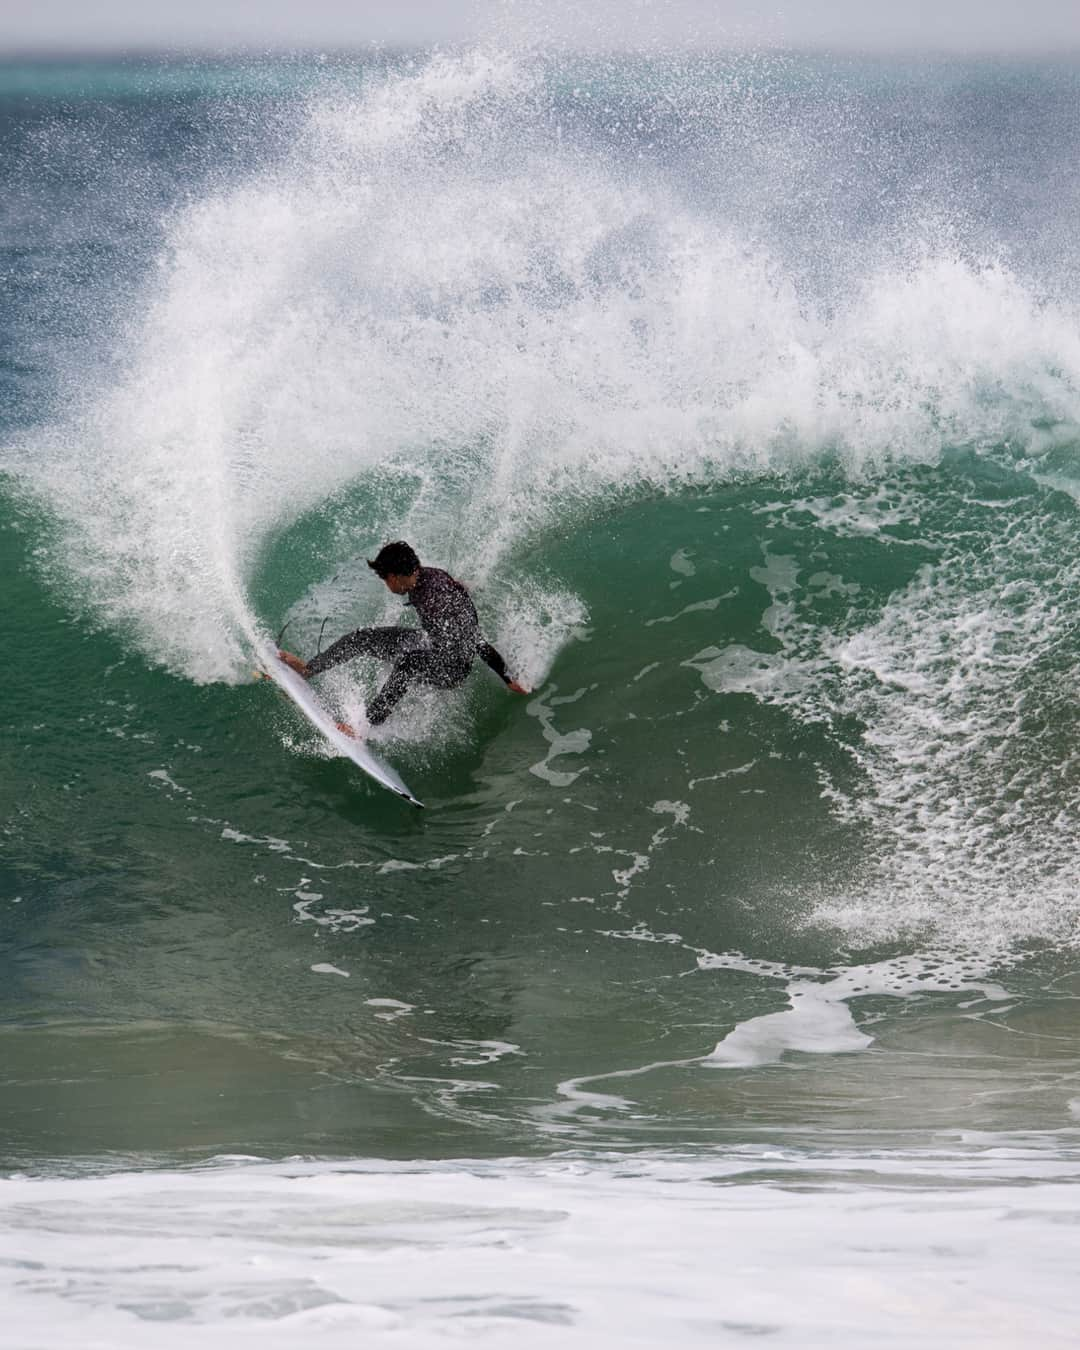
pixel 449 292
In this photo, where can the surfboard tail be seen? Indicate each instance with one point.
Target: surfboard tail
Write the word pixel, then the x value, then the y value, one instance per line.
pixel 348 745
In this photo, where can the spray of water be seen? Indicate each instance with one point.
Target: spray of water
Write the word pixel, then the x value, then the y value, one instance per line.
pixel 446 297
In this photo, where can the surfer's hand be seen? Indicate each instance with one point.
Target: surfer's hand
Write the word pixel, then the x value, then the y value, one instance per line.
pixel 516 688
pixel 294 663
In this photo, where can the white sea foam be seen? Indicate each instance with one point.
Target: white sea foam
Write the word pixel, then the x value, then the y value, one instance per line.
pixel 968 805
pixel 818 1019
pixel 560 743
pixel 954 1247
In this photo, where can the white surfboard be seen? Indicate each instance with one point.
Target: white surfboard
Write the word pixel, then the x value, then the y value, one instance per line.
pixel 300 692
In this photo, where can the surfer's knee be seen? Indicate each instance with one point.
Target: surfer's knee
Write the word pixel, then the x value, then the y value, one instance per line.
pixel 376 713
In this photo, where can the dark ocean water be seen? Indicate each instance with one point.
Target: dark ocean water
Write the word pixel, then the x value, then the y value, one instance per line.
pixel 744 394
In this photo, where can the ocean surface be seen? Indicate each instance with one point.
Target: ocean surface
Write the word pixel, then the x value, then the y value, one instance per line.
pixel 727 991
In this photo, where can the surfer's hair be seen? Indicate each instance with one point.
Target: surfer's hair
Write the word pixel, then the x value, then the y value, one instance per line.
pixel 396 559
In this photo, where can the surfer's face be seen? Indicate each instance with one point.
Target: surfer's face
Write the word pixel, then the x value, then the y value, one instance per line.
pixel 401 585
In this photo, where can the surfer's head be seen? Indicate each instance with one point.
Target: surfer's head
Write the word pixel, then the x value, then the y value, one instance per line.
pixel 398 566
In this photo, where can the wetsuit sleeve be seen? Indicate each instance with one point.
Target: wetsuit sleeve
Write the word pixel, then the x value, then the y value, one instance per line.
pixel 491 657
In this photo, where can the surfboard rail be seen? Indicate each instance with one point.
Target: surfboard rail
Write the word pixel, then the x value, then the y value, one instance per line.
pixel 300 693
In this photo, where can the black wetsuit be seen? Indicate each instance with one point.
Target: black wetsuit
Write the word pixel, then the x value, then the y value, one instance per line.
pixel 440 652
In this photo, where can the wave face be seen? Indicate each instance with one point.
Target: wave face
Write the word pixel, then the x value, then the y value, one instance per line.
pixel 744 392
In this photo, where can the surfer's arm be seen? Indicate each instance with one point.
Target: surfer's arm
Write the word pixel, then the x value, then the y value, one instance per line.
pixel 491 657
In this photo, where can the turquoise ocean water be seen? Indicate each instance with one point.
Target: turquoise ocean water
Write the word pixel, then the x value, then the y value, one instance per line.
pixel 727 988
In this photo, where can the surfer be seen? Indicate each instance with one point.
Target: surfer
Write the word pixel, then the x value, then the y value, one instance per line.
pixel 439 653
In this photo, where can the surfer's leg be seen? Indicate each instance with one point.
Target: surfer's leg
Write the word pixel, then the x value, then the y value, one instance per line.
pixel 416 667
pixel 385 644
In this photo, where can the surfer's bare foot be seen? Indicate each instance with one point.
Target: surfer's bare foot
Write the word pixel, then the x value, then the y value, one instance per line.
pixel 295 663
pixel 516 688
pixel 348 730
